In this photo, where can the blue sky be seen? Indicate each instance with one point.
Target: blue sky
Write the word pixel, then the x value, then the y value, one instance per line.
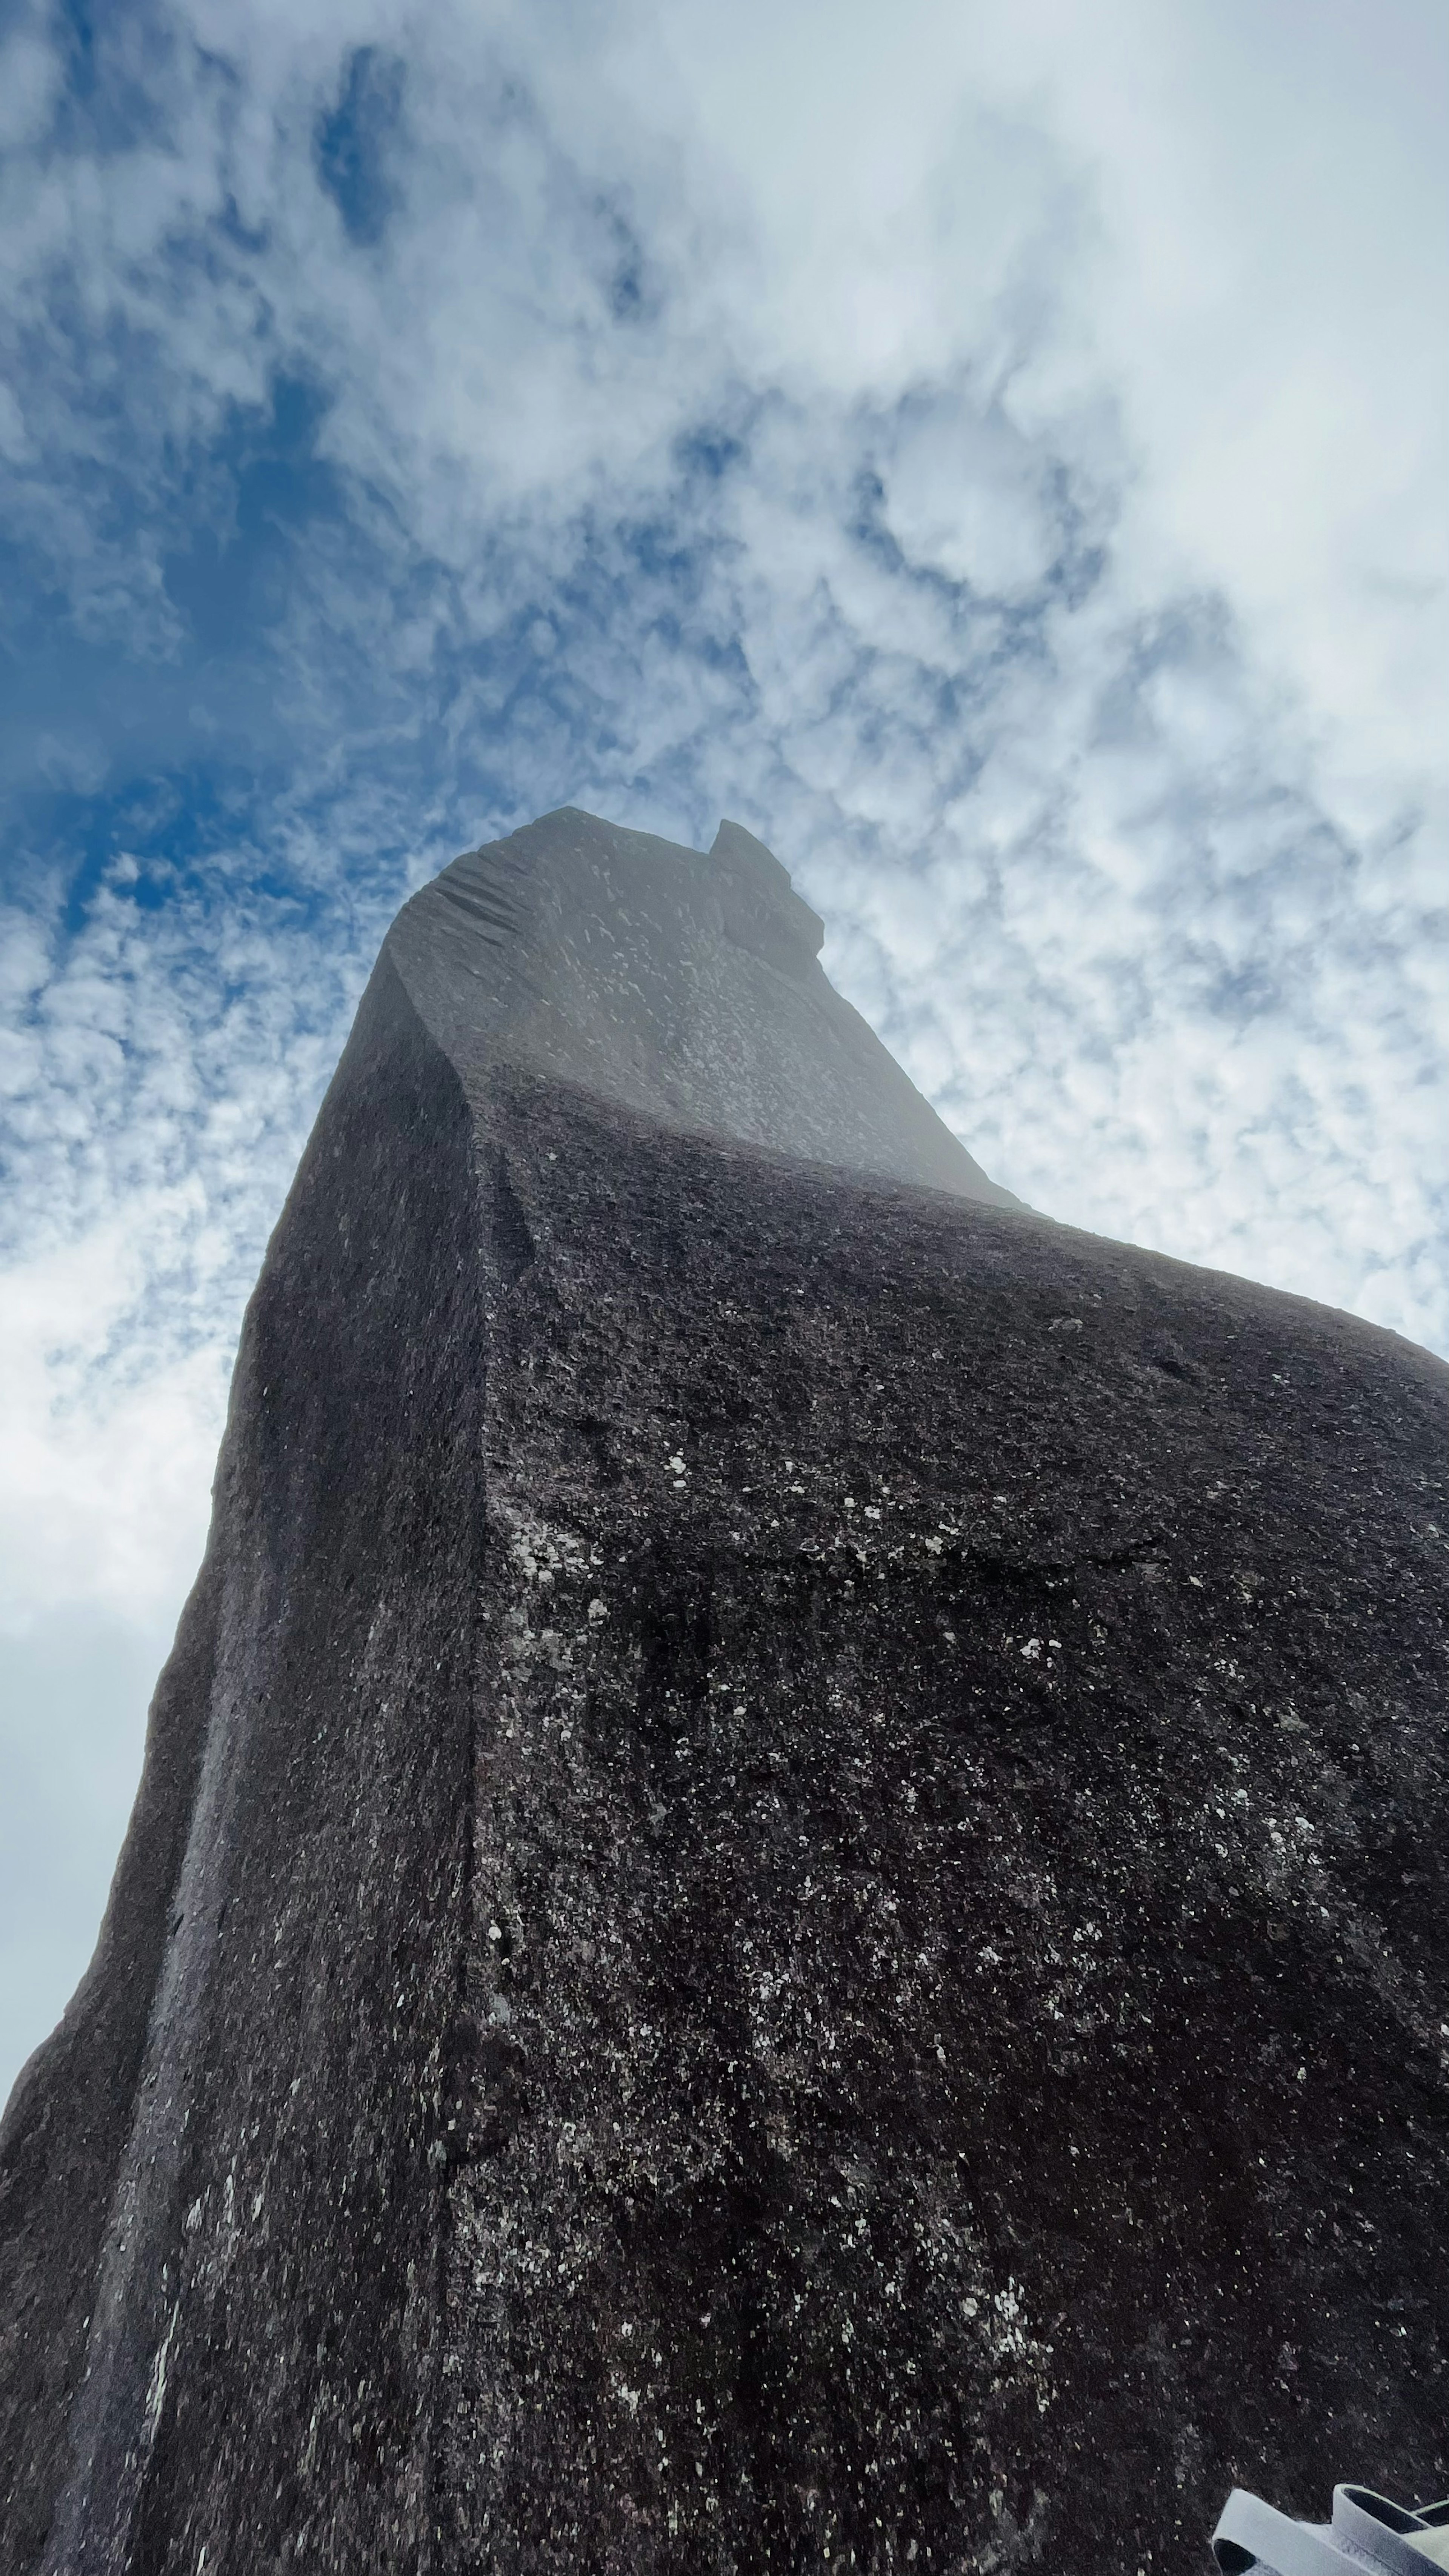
pixel 995 452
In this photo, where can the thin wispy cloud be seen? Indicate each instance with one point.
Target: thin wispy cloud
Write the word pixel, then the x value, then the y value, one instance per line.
pixel 994 455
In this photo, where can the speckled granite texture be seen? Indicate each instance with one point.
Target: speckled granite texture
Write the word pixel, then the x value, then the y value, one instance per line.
pixel 789 1904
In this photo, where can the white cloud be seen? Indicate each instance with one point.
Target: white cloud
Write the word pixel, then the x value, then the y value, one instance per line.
pixel 107 1478
pixel 966 497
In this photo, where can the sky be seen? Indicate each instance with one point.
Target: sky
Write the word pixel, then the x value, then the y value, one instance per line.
pixel 995 452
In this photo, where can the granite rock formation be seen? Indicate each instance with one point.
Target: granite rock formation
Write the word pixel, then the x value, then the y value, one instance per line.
pixel 790 1902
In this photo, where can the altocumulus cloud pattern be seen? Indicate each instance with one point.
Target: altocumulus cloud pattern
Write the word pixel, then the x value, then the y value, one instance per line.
pixel 998 464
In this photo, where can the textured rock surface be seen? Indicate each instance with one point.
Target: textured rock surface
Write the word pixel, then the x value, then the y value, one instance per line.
pixel 685 987
pixel 789 1905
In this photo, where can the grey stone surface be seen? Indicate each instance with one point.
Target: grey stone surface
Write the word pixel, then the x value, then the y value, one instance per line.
pixel 789 1903
pixel 686 987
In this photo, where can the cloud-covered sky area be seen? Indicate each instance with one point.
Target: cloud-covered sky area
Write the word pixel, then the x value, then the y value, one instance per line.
pixel 996 452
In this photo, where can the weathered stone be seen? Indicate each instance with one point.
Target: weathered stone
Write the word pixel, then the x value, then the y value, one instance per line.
pixel 789 1903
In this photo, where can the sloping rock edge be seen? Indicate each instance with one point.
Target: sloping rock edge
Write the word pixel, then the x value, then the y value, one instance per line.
pixel 264 2018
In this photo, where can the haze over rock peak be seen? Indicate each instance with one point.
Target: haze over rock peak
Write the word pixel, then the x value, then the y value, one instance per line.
pixel 685 987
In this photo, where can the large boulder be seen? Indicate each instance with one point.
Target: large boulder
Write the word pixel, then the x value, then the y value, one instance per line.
pixel 788 1908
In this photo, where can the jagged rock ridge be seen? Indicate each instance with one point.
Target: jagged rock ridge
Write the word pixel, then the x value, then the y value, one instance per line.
pixel 788 1905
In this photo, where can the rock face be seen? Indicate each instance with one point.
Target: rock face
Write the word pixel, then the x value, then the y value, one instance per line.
pixel 790 1903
